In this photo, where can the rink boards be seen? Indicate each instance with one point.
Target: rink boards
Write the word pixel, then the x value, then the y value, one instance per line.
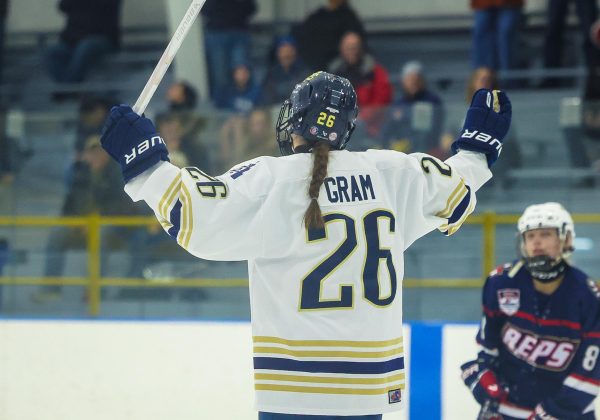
pixel 187 370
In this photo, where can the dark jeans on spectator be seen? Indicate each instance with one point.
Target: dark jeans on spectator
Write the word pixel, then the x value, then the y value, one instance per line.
pixel 587 13
pixel 67 64
pixel 276 416
pixel 495 37
pixel 224 51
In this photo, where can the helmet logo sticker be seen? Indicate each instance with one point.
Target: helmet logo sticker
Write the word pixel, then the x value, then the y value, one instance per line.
pixel 333 136
pixel 314 130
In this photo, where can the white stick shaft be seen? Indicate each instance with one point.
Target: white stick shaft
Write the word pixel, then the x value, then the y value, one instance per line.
pixel 168 55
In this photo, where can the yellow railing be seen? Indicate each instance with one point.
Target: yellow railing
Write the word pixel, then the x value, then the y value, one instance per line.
pixel 94 282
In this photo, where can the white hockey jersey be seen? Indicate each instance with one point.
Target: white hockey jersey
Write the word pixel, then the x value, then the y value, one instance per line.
pixel 326 304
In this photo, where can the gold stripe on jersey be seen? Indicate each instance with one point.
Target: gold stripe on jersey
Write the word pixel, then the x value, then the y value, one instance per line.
pixel 168 197
pixel 184 221
pixel 451 229
pixel 454 199
pixel 326 343
pixel 187 224
pixel 321 353
pixel 325 390
pixel 190 217
pixel 457 200
pixel 329 379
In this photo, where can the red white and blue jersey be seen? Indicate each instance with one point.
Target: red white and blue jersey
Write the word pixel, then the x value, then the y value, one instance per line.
pixel 544 348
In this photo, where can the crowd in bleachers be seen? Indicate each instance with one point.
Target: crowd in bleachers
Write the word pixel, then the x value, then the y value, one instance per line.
pixel 399 108
pixel 401 112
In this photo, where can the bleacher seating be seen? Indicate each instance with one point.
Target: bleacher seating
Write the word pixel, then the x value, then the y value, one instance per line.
pixel 545 175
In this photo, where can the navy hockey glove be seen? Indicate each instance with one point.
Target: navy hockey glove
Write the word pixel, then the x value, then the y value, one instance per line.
pixel 132 141
pixel 482 382
pixel 486 124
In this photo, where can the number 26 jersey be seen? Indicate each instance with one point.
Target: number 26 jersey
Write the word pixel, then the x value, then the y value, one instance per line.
pixel 326 303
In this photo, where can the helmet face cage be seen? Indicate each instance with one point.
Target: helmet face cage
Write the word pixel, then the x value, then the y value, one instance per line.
pixel 320 109
pixel 547 215
pixel 283 129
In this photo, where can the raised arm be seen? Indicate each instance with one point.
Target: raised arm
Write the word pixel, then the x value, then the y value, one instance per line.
pixel 205 214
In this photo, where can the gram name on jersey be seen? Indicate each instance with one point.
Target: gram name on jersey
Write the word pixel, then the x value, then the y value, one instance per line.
pixel 349 189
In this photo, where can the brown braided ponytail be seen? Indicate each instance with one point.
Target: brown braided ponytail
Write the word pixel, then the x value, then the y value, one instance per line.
pixel 313 218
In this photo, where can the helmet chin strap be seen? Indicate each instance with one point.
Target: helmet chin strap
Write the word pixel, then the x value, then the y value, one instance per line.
pixel 544 268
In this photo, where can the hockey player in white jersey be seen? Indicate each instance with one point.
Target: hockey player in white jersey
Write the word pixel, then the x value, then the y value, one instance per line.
pixel 324 231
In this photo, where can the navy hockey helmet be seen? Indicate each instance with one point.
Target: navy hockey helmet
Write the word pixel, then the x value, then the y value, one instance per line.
pixel 320 109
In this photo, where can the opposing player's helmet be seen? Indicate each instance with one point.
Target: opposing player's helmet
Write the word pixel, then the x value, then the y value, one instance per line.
pixel 321 108
pixel 547 215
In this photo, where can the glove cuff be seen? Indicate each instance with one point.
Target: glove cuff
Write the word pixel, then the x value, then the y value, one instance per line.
pixel 491 152
pixel 143 163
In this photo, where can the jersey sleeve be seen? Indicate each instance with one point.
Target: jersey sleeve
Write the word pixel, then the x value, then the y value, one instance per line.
pixel 216 218
pixel 442 194
pixel 488 336
pixel 580 388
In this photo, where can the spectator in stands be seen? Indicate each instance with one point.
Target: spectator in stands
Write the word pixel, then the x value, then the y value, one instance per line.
pixel 91 193
pixel 259 135
pixel 557 12
pixel 181 96
pixel 92 30
pixel 369 78
pixel 495 33
pixel 183 140
pixel 3 14
pixel 414 121
pixel 182 99
pixel 281 78
pixel 93 111
pixel 320 34
pixel 227 39
pixel 242 94
pixel 244 138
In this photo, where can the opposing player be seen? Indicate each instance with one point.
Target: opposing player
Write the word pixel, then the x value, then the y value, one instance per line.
pixel 540 333
pixel 324 231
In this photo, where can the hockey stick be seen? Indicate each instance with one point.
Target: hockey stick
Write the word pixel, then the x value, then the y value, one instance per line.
pixel 167 57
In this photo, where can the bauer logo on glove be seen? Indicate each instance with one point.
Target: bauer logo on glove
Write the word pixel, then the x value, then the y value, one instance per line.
pixel 486 138
pixel 143 147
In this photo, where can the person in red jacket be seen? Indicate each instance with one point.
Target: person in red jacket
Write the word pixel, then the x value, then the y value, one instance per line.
pixel 369 78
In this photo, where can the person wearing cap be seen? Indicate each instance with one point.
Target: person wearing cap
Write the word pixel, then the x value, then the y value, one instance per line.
pixel 401 130
pixel 540 332
pixel 281 77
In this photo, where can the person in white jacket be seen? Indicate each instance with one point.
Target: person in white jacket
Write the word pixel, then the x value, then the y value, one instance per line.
pixel 324 231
